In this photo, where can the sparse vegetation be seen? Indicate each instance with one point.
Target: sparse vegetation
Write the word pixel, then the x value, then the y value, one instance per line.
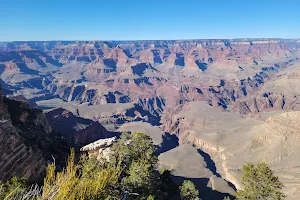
pixel 85 180
pixel 129 174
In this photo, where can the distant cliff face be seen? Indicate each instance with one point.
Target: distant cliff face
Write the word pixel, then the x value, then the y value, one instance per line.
pixel 153 74
pixel 156 76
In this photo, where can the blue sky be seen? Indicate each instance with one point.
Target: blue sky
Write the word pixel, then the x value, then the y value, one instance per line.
pixel 147 19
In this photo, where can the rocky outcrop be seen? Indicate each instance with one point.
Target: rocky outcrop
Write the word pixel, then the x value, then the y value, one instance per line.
pixel 100 148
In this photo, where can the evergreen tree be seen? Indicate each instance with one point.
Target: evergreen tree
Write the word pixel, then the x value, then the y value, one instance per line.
pixel 135 146
pixel 136 153
pixel 139 178
pixel 260 183
pixel 188 191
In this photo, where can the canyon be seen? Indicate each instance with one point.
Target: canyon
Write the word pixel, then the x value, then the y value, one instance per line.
pixel 210 105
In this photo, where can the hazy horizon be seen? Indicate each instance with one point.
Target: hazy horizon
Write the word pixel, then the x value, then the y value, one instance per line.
pixel 151 40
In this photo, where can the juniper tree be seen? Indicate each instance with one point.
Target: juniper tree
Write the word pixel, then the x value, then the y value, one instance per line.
pixel 260 183
pixel 188 191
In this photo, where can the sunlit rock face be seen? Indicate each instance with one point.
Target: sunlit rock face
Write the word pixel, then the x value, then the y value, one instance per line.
pixel 99 149
pixel 161 73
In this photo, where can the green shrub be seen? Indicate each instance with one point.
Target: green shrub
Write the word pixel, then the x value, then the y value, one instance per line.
pixel 135 152
pixel 128 173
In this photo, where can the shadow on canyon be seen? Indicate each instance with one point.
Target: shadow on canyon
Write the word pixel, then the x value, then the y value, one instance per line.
pixel 211 165
pixel 205 192
pixel 169 142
